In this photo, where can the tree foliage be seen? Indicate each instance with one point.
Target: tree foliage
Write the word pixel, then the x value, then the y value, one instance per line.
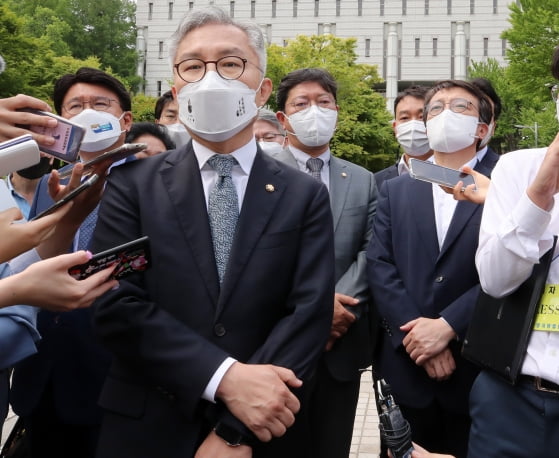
pixel 363 135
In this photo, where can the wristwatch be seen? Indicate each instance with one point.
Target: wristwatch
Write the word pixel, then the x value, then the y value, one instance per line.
pixel 232 437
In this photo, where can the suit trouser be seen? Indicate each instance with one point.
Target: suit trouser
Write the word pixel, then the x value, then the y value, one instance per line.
pixel 512 421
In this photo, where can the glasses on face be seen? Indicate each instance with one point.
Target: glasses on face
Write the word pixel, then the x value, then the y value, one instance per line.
pixel 269 137
pixel 554 90
pixel 228 67
pixel 303 104
pixel 100 103
pixel 457 105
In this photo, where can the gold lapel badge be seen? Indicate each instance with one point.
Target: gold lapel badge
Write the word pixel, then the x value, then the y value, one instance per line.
pixel 270 188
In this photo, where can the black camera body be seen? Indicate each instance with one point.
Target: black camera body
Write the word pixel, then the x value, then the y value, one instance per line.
pixel 395 430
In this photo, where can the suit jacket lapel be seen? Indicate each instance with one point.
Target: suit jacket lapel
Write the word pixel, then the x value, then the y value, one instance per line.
pixel 183 183
pixel 340 179
pixel 420 198
pixel 264 189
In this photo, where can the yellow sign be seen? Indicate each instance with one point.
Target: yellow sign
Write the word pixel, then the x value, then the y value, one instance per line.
pixel 547 314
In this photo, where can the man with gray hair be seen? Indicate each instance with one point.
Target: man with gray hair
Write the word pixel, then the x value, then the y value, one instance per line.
pixel 213 342
pixel 269 132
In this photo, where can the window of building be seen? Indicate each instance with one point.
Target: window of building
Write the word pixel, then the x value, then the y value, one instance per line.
pixel 232 9
pixel 485 46
pixel 190 6
pixel 316 8
pixel 150 11
pixel 253 8
pixel 359 7
pixel 170 16
pixel 495 2
pixel 285 43
pixel 274 4
pixel 416 47
pixel 160 54
pixel 435 46
pixel 159 89
pixel 382 7
pixel 367 47
pixel 472 6
pixel 338 7
pixel 449 7
pixel 426 7
pixel 295 5
pixel 404 7
pixel 503 48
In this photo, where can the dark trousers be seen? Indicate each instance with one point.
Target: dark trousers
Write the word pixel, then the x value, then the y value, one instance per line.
pixel 49 436
pixel 438 430
pixel 512 421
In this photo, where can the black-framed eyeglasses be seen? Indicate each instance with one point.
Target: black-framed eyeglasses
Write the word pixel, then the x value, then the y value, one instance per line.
pixel 228 67
pixel 457 105
pixel 99 103
pixel 554 90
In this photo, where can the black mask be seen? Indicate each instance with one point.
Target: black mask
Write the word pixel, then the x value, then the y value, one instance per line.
pixel 38 170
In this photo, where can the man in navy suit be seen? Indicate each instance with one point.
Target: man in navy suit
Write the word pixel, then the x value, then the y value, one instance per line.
pixel 422 274
pixel 56 390
pixel 209 344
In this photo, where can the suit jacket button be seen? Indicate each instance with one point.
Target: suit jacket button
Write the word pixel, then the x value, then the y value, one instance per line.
pixel 439 279
pixel 219 330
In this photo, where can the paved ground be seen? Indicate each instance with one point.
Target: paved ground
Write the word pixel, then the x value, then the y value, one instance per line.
pixel 365 443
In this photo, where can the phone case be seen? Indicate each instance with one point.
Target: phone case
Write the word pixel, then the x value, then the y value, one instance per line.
pixel 18 153
pixel 433 173
pixel 130 258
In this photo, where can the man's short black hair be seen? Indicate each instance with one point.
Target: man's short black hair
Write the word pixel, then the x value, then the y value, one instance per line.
pixel 150 128
pixel 303 75
pixel 162 102
pixel 417 92
pixel 485 85
pixel 90 76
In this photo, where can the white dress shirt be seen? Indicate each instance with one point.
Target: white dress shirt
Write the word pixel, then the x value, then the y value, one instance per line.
pixel 239 174
pixel 514 234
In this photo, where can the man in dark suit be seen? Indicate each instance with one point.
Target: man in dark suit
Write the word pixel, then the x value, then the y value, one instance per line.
pixel 423 278
pixel 56 390
pixel 209 343
pixel 410 132
pixel 334 390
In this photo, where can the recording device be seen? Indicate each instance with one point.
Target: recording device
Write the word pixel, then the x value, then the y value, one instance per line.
pixel 18 153
pixel 114 155
pixel 433 173
pixel 129 258
pixel 71 195
pixel 67 134
pixel 395 431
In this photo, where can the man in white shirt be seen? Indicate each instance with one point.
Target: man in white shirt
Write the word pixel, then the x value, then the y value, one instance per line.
pixel 519 221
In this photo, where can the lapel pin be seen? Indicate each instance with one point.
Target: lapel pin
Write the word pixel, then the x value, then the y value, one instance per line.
pixel 270 188
pixel 344 175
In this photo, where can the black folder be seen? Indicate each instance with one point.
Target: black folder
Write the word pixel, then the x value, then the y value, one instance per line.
pixel 499 330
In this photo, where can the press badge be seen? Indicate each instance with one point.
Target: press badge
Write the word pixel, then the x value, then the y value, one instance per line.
pixel 547 313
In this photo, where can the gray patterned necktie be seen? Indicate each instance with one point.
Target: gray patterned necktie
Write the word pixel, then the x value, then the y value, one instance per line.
pixel 223 210
pixel 86 229
pixel 315 164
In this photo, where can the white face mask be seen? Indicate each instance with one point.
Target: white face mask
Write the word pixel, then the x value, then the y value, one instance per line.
pixel 270 147
pixel 102 129
pixel 178 134
pixel 412 135
pixel 314 126
pixel 488 135
pixel 449 132
pixel 216 109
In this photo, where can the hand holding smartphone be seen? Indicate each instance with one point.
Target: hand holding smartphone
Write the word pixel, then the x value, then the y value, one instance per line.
pixel 71 195
pixel 443 176
pixel 129 258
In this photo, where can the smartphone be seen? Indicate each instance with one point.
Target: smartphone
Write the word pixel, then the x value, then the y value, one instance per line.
pixel 18 153
pixel 433 173
pixel 71 195
pixel 130 257
pixel 115 155
pixel 67 134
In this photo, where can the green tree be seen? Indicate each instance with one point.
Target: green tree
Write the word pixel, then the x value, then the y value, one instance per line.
pixel 364 133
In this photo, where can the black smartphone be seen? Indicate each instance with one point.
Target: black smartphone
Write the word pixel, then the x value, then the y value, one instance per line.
pixel 115 155
pixel 433 173
pixel 130 257
pixel 68 136
pixel 71 195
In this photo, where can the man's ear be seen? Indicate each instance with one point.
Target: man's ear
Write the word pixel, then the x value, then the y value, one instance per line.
pixel 482 130
pixel 127 118
pixel 264 92
pixel 282 119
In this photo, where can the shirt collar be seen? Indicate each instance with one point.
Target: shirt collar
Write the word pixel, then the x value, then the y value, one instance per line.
pixel 301 157
pixel 245 155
